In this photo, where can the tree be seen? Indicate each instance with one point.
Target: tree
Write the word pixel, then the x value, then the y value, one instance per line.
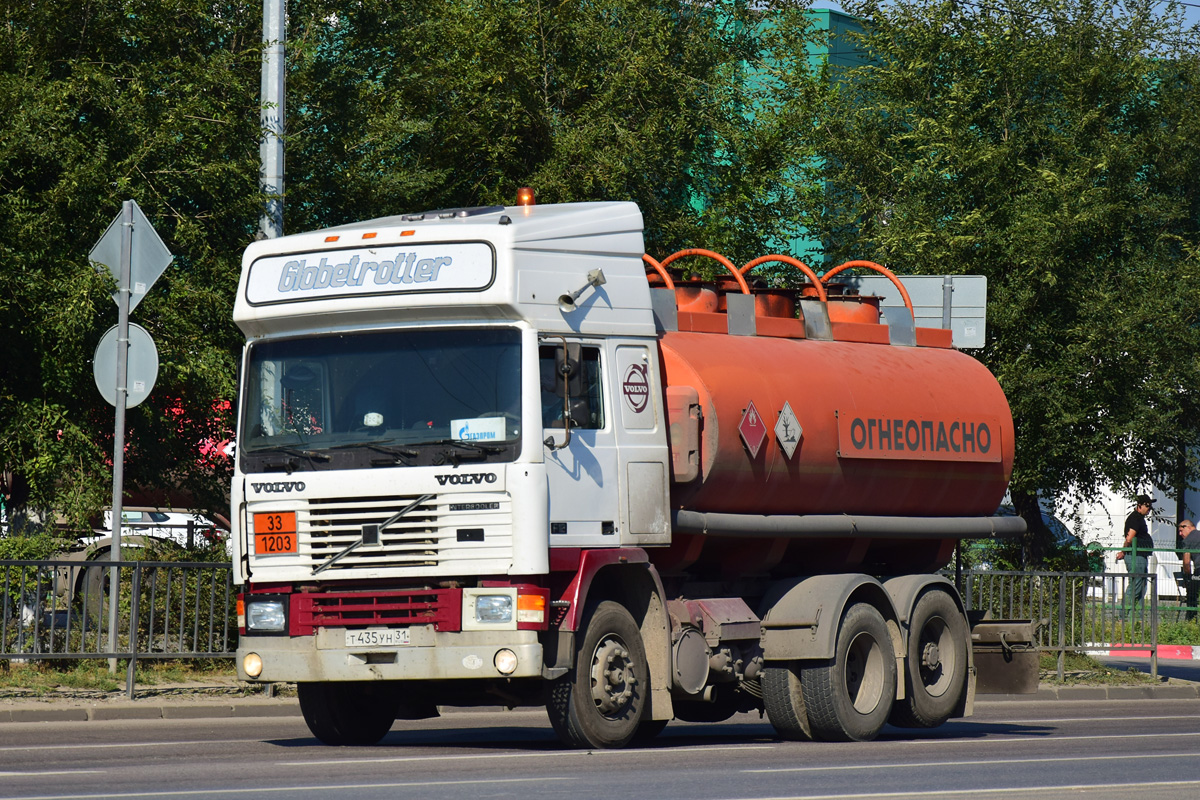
pixel 155 101
pixel 684 106
pixel 681 105
pixel 1051 146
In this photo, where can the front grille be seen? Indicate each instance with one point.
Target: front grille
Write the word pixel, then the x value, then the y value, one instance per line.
pixel 441 608
pixel 465 533
pixel 412 541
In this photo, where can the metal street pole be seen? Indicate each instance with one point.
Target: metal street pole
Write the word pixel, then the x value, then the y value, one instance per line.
pixel 272 117
pixel 114 580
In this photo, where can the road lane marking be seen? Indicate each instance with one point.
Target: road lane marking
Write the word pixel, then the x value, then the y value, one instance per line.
pixel 975 793
pixel 39 773
pixel 1035 736
pixel 130 744
pixel 324 790
pixel 973 763
pixel 492 756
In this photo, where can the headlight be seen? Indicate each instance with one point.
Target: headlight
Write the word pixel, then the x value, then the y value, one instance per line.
pixel 266 616
pixel 494 608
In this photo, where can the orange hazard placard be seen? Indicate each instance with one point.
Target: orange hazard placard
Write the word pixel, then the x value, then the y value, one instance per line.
pixel 275 532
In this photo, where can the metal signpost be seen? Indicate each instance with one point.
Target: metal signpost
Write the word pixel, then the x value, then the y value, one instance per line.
pixel 132 250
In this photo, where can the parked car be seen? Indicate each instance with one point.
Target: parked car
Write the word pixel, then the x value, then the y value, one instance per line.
pixel 87 583
pixel 141 524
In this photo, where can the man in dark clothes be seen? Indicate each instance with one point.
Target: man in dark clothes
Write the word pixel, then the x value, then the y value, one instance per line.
pixel 1191 564
pixel 1137 534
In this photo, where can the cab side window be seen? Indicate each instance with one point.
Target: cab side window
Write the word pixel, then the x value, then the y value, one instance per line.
pixel 582 380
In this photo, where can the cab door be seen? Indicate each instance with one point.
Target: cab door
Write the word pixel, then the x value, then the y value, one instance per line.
pixel 582 475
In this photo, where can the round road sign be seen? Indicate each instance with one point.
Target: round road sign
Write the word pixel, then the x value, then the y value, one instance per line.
pixel 143 366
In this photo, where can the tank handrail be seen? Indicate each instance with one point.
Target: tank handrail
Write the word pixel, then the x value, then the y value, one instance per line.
pixel 882 270
pixel 699 251
pixel 661 270
pixel 795 262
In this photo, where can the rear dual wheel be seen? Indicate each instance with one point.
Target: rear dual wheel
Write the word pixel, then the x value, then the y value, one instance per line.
pixel 847 698
pixel 936 663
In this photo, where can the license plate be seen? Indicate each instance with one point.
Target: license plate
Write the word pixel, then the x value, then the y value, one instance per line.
pixel 377 638
pixel 275 533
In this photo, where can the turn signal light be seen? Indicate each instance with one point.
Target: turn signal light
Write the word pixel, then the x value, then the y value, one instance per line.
pixel 531 608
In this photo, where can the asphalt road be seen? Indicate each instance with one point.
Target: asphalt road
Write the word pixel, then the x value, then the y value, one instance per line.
pixel 1015 749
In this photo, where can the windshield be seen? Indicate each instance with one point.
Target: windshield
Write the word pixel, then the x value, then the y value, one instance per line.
pixel 382 399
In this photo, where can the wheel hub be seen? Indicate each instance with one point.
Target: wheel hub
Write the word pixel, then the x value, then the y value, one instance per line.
pixel 613 679
pixel 931 658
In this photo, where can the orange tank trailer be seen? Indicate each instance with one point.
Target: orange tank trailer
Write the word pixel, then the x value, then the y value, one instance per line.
pixel 883 431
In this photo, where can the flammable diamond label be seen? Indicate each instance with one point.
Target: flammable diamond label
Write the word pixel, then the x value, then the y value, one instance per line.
pixel 753 429
pixel 788 430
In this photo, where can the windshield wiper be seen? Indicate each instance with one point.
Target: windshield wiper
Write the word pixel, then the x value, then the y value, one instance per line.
pixel 311 455
pixel 381 446
pixel 461 448
pixel 290 465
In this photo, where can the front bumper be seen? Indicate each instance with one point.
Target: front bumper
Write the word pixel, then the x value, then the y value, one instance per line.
pixel 430 655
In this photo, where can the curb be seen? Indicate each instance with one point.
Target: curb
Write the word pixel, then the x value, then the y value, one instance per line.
pixel 1045 692
pixel 1178 652
pixel 132 710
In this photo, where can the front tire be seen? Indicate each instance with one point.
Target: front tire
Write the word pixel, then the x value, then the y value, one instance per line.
pixel 354 714
pixel 936 663
pixel 850 697
pixel 601 701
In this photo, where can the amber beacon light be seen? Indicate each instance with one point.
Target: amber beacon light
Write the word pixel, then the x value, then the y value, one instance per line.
pixel 525 196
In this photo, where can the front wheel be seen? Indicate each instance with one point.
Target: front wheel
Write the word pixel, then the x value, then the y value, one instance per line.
pixel 936 663
pixel 600 703
pixel 849 697
pixel 342 714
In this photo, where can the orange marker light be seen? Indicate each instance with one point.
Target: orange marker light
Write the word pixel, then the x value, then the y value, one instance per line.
pixel 332 238
pixel 525 196
pixel 531 608
pixel 371 235
pixel 407 233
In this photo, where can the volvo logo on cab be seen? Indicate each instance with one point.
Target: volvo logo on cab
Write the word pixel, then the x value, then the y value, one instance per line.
pixel 467 478
pixel 279 486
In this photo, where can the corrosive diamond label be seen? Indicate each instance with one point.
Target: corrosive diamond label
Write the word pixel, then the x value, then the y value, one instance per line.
pixel 753 429
pixel 788 430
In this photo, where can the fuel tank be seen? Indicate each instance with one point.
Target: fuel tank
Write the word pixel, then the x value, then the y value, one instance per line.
pixel 805 426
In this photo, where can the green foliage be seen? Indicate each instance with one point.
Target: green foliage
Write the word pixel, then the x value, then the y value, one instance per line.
pixel 411 105
pixel 31 545
pixel 1179 632
pixel 393 106
pixel 104 102
pixel 1051 146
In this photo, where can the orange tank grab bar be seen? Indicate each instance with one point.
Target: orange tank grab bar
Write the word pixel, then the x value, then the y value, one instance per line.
pixel 696 251
pixel 882 270
pixel 798 264
pixel 661 270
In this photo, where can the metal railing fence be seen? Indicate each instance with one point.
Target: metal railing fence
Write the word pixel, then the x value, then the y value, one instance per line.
pixel 59 609
pixel 1076 611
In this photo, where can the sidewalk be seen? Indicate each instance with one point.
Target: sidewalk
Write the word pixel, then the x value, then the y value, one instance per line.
pixel 209 700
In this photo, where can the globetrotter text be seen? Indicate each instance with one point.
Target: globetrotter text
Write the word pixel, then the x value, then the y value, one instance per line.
pixel 299 275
